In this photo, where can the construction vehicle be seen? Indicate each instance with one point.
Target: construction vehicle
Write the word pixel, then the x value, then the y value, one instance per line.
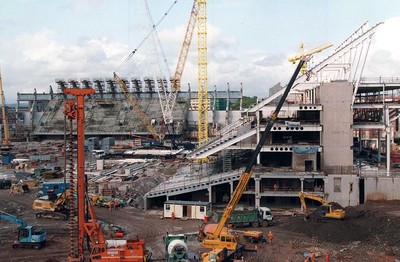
pixel 326 210
pixel 28 236
pixel 52 205
pixel 216 255
pixel 176 249
pixel 132 250
pixel 86 225
pixel 219 240
pixel 261 216
pixel 253 236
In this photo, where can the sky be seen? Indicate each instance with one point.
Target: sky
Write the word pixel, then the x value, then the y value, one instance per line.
pixel 249 41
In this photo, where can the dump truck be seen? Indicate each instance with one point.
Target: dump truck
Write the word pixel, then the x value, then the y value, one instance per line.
pixel 257 217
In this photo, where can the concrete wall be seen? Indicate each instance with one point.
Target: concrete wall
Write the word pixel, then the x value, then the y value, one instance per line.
pixel 382 188
pixel 299 160
pixel 218 116
pixel 344 194
pixel 336 121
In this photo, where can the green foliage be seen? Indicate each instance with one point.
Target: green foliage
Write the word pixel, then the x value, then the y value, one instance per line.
pixel 247 102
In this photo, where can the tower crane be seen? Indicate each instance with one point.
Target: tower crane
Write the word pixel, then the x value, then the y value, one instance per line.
pixel 202 72
pixel 6 137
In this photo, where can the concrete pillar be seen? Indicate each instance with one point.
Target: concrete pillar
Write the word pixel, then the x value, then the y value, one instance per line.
pixel 231 186
pixel 258 131
pixel 210 196
pixel 145 203
pixel 387 141
pixel 302 184
pixel 257 181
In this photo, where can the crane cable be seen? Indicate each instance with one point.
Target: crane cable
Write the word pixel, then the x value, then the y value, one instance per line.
pixel 146 37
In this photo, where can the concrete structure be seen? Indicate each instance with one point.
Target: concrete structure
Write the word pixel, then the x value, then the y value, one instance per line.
pixel 309 147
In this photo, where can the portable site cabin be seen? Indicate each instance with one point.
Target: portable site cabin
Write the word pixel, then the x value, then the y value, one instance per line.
pixel 186 209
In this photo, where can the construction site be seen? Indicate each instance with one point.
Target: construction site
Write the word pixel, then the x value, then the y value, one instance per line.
pixel 142 169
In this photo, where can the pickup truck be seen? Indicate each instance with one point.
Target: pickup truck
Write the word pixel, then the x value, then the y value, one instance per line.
pixel 261 216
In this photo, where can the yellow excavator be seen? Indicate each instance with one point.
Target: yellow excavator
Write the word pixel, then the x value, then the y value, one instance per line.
pixel 53 206
pixel 326 210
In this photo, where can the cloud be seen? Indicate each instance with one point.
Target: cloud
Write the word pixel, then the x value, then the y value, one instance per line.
pixel 42 59
pixel 384 55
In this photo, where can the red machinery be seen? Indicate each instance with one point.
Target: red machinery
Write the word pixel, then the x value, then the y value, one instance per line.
pixel 101 249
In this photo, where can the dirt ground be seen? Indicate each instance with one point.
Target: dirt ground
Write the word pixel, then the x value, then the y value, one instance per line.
pixel 371 232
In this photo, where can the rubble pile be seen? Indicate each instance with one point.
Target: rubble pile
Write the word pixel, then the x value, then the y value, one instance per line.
pixel 366 225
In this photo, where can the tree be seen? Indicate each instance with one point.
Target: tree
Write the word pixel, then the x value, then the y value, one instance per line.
pixel 247 102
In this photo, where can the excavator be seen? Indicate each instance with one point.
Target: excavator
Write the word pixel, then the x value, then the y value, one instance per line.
pixel 28 236
pixel 326 210
pixel 219 241
pixel 53 206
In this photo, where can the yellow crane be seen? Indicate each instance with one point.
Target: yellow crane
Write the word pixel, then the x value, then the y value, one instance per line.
pixel 176 80
pixel 309 52
pixel 6 134
pixel 220 239
pixel 135 103
pixel 168 102
pixel 203 103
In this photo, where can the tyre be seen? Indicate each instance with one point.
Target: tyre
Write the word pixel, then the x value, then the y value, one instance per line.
pixel 255 224
pixel 39 215
pixel 15 246
pixel 37 247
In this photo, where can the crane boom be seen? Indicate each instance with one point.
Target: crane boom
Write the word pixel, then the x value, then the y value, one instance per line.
pixel 12 218
pixel 135 103
pixel 176 81
pixel 213 240
pixel 3 111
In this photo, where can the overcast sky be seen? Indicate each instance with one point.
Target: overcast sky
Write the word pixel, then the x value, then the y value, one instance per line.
pixel 248 41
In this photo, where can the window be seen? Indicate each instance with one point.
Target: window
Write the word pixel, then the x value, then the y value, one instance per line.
pixel 202 209
pixel 167 207
pixel 337 184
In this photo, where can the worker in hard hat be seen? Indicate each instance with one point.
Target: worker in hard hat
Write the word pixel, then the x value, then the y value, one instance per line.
pixel 270 237
pixel 307 259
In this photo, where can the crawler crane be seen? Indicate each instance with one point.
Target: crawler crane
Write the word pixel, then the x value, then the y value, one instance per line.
pixel 219 239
